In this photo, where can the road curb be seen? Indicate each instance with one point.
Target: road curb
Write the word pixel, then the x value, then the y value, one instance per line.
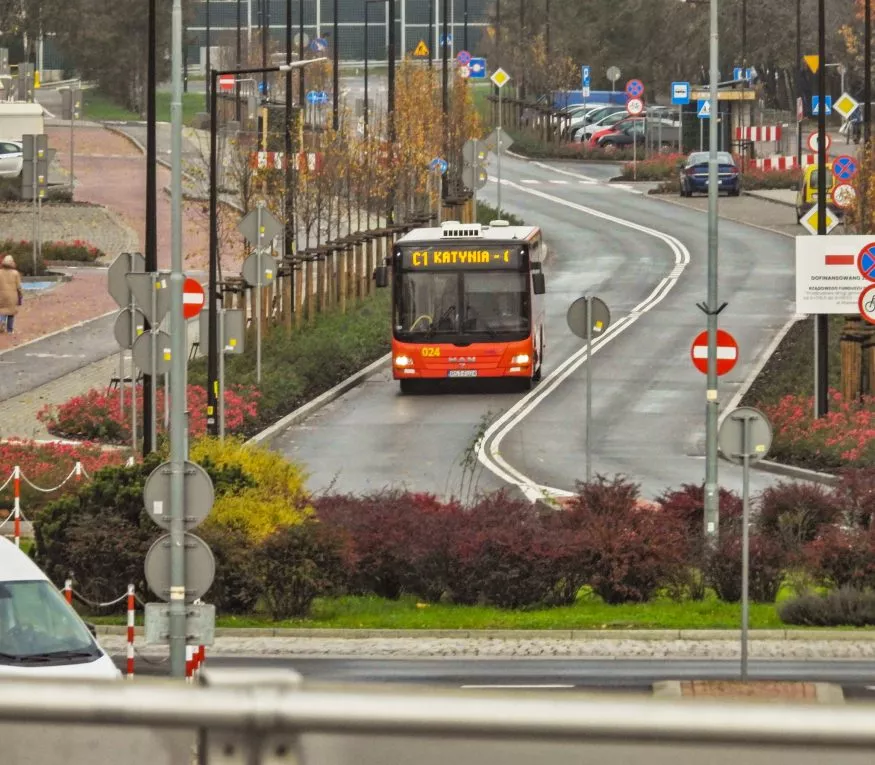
pixel 787 635
pixel 320 401
pixel 661 198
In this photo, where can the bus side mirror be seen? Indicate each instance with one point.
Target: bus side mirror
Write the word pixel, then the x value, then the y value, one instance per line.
pixel 381 276
pixel 538 283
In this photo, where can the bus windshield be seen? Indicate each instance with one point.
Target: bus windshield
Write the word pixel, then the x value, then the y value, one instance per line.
pixel 447 305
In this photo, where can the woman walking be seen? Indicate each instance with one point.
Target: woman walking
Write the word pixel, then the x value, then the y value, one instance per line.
pixel 11 295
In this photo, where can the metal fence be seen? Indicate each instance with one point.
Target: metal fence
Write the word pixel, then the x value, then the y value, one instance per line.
pixel 269 718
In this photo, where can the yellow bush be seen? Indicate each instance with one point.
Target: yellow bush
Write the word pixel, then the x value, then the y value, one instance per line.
pixel 278 497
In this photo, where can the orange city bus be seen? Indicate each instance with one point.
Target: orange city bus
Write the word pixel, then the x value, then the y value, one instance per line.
pixel 467 303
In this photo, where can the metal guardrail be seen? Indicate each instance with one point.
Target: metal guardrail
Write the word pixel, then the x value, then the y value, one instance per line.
pixel 256 721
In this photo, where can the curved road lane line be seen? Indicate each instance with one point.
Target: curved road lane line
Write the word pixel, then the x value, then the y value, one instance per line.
pixel 488 450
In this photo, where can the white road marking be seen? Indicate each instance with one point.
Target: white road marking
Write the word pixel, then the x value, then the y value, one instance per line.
pixel 56 355
pixel 559 182
pixel 528 180
pixel 588 183
pixel 488 448
pixel 528 687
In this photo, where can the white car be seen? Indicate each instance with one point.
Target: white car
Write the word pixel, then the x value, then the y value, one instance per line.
pixel 10 158
pixel 40 633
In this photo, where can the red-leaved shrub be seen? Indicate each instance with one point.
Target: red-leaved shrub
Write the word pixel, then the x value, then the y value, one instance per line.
pixel 768 562
pixel 399 541
pixel 855 496
pixel 687 506
pixel 503 555
pixel 842 557
pixel 794 513
pixel 98 415
pixel 623 549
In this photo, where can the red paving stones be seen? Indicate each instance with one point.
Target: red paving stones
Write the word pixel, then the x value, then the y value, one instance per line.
pixel 761 691
pixel 110 171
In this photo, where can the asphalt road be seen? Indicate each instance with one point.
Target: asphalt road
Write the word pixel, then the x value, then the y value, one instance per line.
pixel 622 676
pixel 648 400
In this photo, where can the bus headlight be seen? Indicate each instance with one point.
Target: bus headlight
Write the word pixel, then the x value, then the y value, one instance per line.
pixel 403 361
pixel 521 358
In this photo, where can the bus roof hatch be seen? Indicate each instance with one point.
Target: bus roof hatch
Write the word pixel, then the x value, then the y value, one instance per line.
pixel 452 229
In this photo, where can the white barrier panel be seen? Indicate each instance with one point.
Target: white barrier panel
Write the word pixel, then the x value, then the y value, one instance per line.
pixel 278 722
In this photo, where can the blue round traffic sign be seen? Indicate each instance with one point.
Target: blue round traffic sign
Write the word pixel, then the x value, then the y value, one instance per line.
pixel 844 167
pixel 866 262
pixel 634 88
pixel 464 58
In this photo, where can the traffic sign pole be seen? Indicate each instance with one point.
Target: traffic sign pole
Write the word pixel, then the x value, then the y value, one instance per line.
pixel 258 249
pixel 178 440
pixel 821 321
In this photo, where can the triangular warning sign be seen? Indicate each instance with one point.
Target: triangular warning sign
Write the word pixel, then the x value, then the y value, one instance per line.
pixel 421 49
pixel 813 63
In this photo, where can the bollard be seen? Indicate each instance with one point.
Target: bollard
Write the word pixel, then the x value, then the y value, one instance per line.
pixel 130 647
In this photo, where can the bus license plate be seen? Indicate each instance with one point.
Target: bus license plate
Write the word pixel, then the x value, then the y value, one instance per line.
pixel 462 373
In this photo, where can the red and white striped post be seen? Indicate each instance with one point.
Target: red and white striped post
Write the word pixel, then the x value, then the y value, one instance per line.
pixel 16 512
pixel 131 611
pixel 78 471
pixel 68 591
pixel 189 663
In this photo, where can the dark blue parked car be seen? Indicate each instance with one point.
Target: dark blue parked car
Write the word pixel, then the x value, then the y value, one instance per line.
pixel 694 174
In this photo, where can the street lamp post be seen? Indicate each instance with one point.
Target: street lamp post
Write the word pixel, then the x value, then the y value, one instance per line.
pixel 151 242
pixel 213 296
pixel 431 34
pixel 335 116
pixel 798 79
pixel 711 309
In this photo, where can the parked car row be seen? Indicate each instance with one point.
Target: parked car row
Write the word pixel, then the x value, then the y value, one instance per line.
pixel 610 126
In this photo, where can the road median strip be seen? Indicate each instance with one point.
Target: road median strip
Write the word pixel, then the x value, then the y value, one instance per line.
pixel 583 634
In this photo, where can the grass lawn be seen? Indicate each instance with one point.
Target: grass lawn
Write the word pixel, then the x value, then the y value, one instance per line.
pixel 98 107
pixel 587 613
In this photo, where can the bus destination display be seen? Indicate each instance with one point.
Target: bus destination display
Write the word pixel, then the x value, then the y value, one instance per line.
pixel 462 258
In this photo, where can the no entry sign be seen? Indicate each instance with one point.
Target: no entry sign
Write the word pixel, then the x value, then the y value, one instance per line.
pixel 226 82
pixel 727 352
pixel 192 298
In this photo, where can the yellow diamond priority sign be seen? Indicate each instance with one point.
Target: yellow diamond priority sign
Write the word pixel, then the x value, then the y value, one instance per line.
pixel 500 77
pixel 845 105
pixel 809 220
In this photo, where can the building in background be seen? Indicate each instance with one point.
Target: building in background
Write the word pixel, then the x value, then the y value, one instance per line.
pixel 411 26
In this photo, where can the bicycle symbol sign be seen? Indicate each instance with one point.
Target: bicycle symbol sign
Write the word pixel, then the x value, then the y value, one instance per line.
pixel 866 262
pixel 867 304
